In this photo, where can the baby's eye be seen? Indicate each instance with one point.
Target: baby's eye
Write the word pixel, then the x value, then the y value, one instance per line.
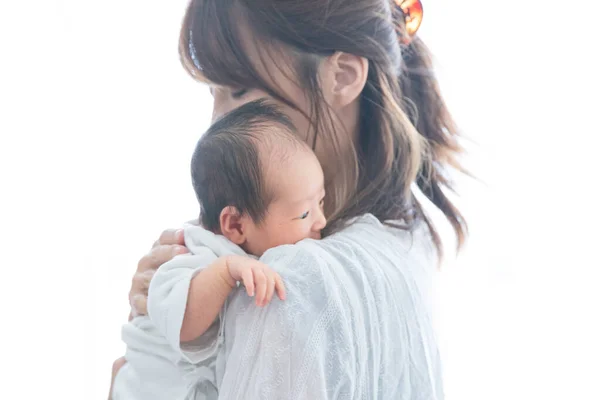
pixel 303 216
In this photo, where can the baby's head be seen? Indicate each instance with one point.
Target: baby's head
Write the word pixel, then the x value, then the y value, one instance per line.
pixel 257 183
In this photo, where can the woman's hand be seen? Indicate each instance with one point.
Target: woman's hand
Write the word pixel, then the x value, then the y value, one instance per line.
pixel 169 245
pixel 117 365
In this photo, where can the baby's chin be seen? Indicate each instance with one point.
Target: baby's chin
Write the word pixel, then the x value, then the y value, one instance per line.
pixel 258 252
pixel 314 236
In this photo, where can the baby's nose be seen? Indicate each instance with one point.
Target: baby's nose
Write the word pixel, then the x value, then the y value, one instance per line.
pixel 320 222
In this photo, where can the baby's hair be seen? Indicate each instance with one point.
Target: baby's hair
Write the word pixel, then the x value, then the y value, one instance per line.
pixel 230 160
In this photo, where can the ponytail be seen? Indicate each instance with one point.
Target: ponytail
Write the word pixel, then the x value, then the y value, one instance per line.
pixel 429 114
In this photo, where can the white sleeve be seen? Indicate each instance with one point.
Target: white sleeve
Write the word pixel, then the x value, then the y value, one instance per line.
pixel 167 300
pixel 281 351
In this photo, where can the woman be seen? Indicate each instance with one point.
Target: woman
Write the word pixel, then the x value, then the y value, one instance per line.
pixel 359 86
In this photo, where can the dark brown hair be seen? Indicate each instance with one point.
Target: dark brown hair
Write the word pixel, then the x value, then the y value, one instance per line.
pixel 406 132
pixel 227 167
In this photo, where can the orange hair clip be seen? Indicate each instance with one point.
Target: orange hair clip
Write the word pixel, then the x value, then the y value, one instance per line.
pixel 413 15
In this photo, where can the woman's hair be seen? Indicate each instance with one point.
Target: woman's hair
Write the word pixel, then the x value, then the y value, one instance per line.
pixel 229 168
pixel 401 94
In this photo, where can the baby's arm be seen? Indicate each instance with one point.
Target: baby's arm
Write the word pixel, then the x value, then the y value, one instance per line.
pixel 210 287
pixel 207 294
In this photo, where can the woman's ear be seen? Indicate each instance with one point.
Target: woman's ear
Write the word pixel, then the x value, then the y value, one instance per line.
pixel 233 225
pixel 343 78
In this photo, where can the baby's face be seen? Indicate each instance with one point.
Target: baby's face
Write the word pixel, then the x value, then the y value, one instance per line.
pixel 297 211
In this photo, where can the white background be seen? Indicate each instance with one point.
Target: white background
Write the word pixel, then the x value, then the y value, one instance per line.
pixel 98 122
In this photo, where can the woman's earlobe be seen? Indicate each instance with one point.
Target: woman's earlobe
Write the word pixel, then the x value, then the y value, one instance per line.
pixel 349 74
pixel 232 225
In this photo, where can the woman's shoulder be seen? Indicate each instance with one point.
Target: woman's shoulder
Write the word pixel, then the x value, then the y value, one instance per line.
pixel 330 277
pixel 365 244
pixel 360 233
pixel 343 295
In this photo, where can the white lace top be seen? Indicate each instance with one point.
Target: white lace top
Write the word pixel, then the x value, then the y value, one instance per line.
pixel 356 323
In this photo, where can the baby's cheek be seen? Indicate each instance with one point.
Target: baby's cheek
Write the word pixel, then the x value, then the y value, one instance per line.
pixel 300 232
pixel 288 234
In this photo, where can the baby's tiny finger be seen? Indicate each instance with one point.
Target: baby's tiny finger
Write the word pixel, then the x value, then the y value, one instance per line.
pixel 270 287
pixel 261 286
pixel 280 287
pixel 248 280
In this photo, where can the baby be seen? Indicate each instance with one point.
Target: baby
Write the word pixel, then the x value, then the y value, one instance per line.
pixel 259 186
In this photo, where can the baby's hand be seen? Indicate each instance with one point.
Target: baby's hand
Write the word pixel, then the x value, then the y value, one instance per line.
pixel 257 277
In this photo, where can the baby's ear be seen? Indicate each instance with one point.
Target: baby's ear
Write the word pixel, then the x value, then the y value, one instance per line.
pixel 233 225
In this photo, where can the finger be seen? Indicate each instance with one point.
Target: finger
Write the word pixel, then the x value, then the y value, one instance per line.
pixel 270 287
pixel 171 237
pixel 260 280
pixel 140 283
pixel 139 293
pixel 248 280
pixel 158 256
pixel 280 287
pixel 139 305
